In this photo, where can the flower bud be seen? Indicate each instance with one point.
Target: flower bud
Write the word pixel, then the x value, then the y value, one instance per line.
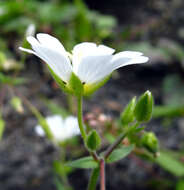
pixel 127 116
pixel 93 141
pixel 144 107
pixel 150 142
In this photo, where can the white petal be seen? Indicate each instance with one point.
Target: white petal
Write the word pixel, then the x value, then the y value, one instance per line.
pixel 127 58
pixel 106 50
pixel 90 68
pixel 86 49
pixel 130 54
pixel 89 48
pixel 50 42
pixel 27 50
pixel 119 60
pixel 57 60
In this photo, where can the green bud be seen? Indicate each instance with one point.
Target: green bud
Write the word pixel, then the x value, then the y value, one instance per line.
pixel 17 104
pixel 144 107
pixel 127 116
pixel 150 142
pixel 93 141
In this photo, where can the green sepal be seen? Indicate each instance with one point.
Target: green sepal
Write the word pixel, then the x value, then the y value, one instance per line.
pixel 60 83
pixel 93 141
pixel 85 163
pixel 75 85
pixel 150 142
pixel 144 107
pixel 89 89
pixel 119 154
pixel 127 116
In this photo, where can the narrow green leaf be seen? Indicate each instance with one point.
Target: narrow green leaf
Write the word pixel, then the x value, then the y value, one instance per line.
pixel 2 126
pixel 55 108
pixel 85 163
pixel 180 185
pixel 170 163
pixel 119 153
pixel 59 185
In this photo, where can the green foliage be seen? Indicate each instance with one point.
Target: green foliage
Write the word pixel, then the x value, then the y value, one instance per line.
pixel 169 111
pixel 85 163
pixel 180 185
pixel 120 153
pixel 127 116
pixel 74 22
pixel 59 185
pixel 2 125
pixel 4 79
pixel 167 161
pixel 56 109
pixel 93 141
pixel 144 107
pixel 42 121
pixel 60 168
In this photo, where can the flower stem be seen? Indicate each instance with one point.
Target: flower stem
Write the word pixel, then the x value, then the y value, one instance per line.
pixel 80 119
pixel 119 140
pixel 114 145
pixel 102 174
pixel 93 179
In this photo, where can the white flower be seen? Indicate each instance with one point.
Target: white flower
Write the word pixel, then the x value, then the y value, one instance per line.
pixel 91 63
pixel 62 129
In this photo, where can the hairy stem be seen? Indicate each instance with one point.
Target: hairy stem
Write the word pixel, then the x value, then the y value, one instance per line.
pixel 119 140
pixel 114 145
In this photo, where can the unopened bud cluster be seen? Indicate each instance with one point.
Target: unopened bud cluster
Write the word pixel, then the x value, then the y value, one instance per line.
pixel 140 110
